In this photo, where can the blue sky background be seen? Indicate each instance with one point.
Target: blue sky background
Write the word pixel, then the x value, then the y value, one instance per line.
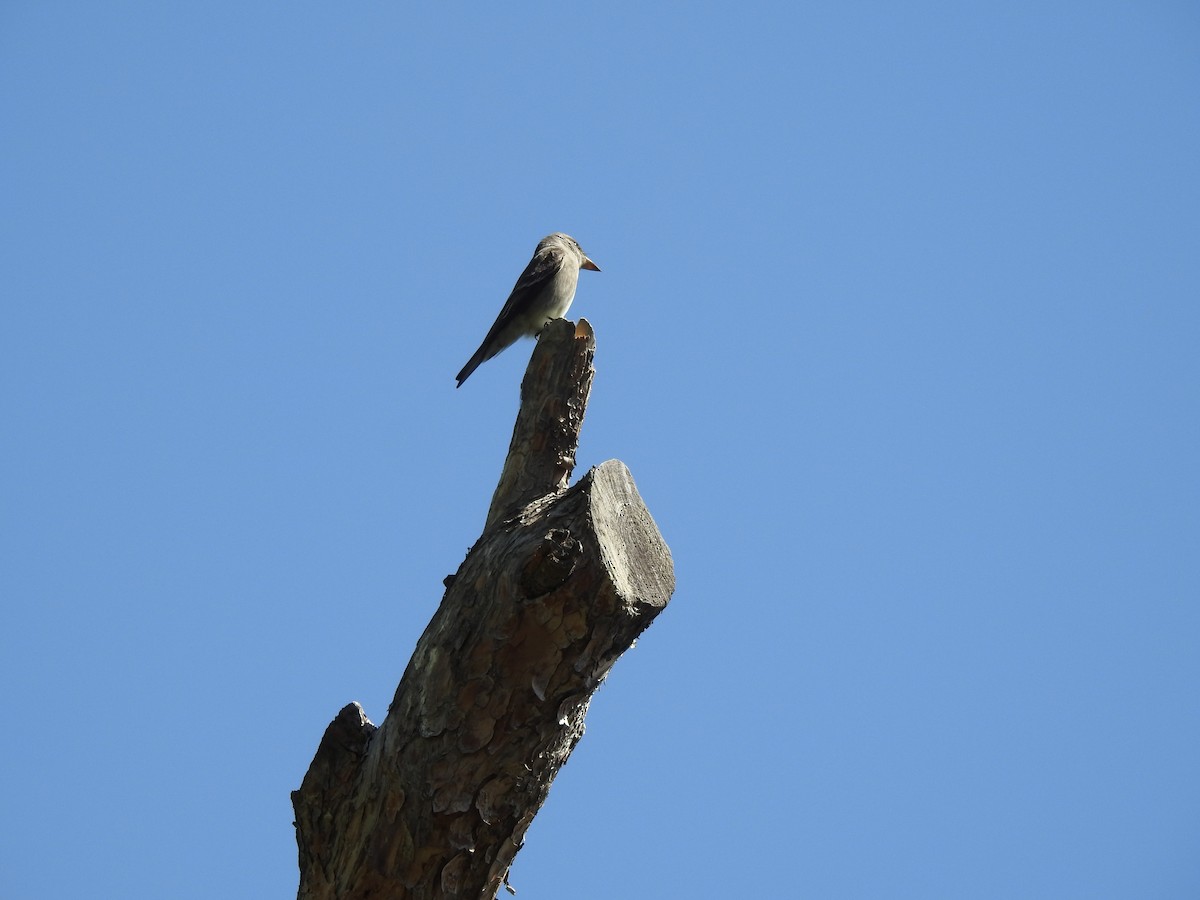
pixel 897 332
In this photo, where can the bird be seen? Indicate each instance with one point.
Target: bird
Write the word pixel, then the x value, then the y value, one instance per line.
pixel 543 292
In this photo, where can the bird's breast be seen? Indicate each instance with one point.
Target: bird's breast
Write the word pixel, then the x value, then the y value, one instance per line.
pixel 560 292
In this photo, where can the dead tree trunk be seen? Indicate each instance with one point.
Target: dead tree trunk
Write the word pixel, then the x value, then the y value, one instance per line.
pixel 435 802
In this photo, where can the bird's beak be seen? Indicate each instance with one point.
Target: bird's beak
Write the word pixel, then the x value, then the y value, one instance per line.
pixel 588 264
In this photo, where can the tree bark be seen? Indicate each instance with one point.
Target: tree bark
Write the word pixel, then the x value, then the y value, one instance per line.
pixel 436 801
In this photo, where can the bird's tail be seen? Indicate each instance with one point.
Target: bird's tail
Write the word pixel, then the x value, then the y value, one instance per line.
pixel 472 364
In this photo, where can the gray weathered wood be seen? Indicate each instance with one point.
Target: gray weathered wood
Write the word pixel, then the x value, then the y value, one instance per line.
pixel 435 802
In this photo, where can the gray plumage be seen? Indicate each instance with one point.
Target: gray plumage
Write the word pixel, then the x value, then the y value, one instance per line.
pixel 543 292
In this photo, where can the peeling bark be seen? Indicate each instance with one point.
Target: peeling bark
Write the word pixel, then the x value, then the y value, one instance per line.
pixel 436 801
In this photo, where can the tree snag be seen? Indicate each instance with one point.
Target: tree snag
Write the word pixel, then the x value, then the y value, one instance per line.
pixel 435 802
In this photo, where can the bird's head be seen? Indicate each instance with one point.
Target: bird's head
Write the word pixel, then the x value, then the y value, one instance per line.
pixel 569 245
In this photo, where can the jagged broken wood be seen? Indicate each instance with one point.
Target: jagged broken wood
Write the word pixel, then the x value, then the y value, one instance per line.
pixel 435 802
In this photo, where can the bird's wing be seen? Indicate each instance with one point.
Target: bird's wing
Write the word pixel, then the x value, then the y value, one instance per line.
pixel 540 271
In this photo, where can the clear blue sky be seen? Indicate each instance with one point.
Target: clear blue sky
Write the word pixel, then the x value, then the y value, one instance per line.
pixel 897 332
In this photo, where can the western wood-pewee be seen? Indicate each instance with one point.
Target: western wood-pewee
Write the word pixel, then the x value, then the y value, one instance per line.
pixel 543 292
